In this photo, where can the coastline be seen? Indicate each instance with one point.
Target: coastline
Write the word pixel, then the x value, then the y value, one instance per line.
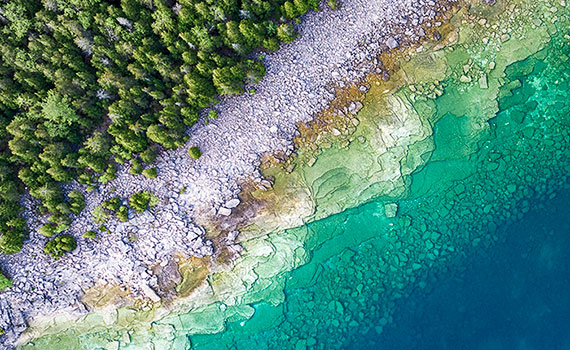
pixel 262 273
pixel 267 126
pixel 291 249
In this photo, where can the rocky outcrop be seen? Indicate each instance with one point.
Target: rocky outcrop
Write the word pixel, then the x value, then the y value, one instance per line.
pixel 334 47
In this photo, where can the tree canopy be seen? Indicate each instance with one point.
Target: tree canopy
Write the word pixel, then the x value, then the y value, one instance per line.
pixel 86 84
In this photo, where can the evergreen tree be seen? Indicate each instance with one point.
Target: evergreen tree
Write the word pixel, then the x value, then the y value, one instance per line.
pixel 85 85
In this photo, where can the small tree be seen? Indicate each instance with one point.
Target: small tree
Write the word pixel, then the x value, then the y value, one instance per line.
pixel 150 173
pixel 286 32
pixel 76 201
pixel 123 213
pixel 194 152
pixel 5 282
pixel 90 234
pixel 271 44
pixel 289 10
pixel 149 155
pixel 301 6
pixel 333 4
pixel 99 214
pixel 139 201
pixel 59 115
pixel 137 167
pixel 112 203
pixel 48 230
pixel 212 114
pixel 11 242
pixel 314 4
pixel 60 245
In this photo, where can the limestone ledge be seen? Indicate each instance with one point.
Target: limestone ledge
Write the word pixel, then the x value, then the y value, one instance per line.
pixel 393 139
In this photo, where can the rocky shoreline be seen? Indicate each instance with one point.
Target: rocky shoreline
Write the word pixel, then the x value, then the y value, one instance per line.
pixel 333 49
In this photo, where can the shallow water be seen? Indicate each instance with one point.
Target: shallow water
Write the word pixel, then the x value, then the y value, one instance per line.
pixel 476 254
pixel 475 258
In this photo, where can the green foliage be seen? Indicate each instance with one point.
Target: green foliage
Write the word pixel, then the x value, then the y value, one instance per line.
pixel 112 203
pixel 212 114
pixel 110 174
pixel 228 80
pixel 11 242
pixel 169 138
pixel 333 4
pixel 315 5
pixel 61 221
pixel 60 245
pixel 153 201
pixel 76 201
pixel 99 215
pixel 58 114
pixel 302 6
pixel 271 44
pixel 5 283
pixel 48 230
pixel 137 167
pixel 286 32
pixel 88 84
pixel 90 234
pixel 141 201
pixel 150 173
pixel 194 152
pixel 149 155
pixel 123 213
pixel 85 179
pixel 289 10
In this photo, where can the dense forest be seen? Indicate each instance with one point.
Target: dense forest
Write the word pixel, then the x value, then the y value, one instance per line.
pixel 89 84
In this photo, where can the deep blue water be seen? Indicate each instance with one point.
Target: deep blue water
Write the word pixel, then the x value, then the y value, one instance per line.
pixel 515 295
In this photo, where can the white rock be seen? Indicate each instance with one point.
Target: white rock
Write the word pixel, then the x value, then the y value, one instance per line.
pixel 483 82
pixel 224 211
pixel 392 43
pixel 126 338
pixel 114 345
pixel 232 203
pixel 150 293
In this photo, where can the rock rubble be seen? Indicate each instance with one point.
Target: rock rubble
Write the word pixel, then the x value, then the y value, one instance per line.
pixel 333 48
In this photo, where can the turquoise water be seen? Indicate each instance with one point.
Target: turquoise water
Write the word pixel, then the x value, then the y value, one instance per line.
pixel 475 257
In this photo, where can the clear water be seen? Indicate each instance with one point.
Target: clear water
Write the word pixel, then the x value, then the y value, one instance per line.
pixel 476 257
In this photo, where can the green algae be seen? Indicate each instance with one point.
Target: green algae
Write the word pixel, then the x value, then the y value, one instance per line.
pixel 449 162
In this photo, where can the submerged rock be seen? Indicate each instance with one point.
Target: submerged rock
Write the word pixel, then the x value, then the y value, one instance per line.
pixel 114 345
pixel 483 82
pixel 390 209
